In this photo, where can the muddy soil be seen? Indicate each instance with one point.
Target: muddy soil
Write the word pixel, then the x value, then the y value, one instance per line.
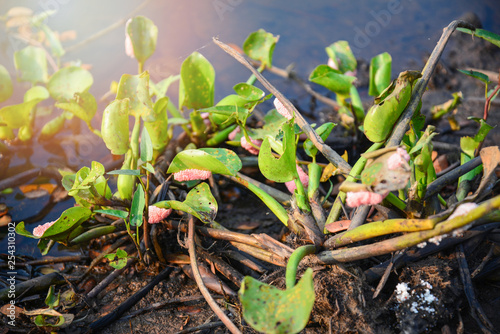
pixel 344 292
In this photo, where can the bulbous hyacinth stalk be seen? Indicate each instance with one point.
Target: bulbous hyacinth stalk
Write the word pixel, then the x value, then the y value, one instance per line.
pixel 40 229
pixel 129 48
pixel 156 214
pixel 192 174
pixel 246 145
pixel 281 109
pixel 304 178
pixel 355 199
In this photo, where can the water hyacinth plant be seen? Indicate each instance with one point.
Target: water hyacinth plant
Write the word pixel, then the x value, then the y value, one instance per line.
pixel 166 180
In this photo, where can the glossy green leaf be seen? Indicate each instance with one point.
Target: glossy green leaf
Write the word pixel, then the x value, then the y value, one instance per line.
pixel 158 129
pixel 259 45
pixel 199 202
pixel 476 74
pixel 52 300
pixel 217 160
pixel 25 133
pixel 83 106
pixel 380 73
pixel 136 89
pixel 283 169
pixel 87 186
pixel 115 126
pixel 134 172
pixel 137 208
pixel 69 220
pixel 6 133
pixel 270 310
pixel 17 115
pixel 32 63
pixel 229 111
pixel 484 34
pixel 117 260
pixel 382 116
pixel 196 87
pixel 332 79
pixel 249 92
pixel 115 213
pixel 143 34
pixel 323 131
pixel 146 146
pixel 6 88
pixel 52 127
pixel 67 81
pixel 341 54
pixel 38 93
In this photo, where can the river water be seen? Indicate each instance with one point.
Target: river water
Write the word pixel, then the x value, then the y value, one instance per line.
pixel 406 29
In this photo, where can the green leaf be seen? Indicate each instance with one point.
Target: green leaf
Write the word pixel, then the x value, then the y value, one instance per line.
pixel 136 89
pixel 116 213
pixel 32 63
pixel 249 92
pixel 38 93
pixel 229 111
pixel 18 115
pixel 484 34
pixel 158 129
pixel 389 105
pixel 323 131
pixel 332 79
pixel 83 106
pixel 199 202
pixel 115 126
pixel 134 172
pixel 117 260
pixel 217 160
pixel 67 81
pixel 6 88
pixel 149 167
pixel 143 35
pixel 196 87
pixel 146 146
pixel 137 208
pixel 259 45
pixel 283 169
pixel 69 220
pixel 87 186
pixel 52 301
pixel 380 73
pixel 270 310
pixel 341 54
pixel 476 74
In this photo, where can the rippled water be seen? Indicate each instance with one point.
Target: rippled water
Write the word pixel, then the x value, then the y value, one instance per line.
pixel 406 29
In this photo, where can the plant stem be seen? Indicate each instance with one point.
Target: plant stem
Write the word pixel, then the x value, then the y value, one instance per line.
pixel 410 239
pixel 293 263
pixel 203 289
pixel 270 202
